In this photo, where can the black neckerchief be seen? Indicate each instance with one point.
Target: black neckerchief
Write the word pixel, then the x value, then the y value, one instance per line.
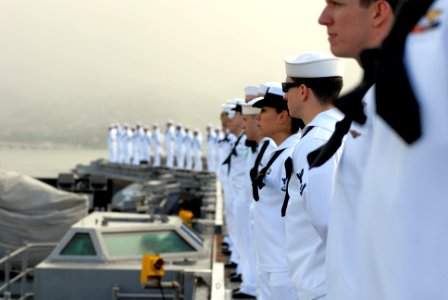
pixel 288 170
pixel 396 103
pixel 258 181
pixel 254 171
pixel 225 139
pixel 252 145
pixel 306 131
pixel 228 160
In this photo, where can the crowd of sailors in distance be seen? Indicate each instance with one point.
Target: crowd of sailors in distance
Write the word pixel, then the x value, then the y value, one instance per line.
pixel 180 146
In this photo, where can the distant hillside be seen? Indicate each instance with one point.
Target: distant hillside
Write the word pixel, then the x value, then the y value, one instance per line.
pixel 84 123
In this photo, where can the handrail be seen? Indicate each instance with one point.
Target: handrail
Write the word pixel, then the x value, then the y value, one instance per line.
pixel 218 288
pixel 18 251
pixel 6 260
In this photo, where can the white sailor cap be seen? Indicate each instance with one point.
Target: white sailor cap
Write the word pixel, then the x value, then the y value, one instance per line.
pixel 249 109
pixel 314 65
pixel 237 102
pixel 264 87
pixel 227 107
pixel 273 98
pixel 251 90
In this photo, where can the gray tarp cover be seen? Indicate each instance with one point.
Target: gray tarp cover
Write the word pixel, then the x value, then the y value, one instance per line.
pixel 32 211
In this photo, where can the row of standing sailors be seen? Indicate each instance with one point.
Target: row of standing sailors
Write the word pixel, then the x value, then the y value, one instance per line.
pixel 365 192
pixel 388 207
pixel 128 145
pixel 133 145
pixel 276 207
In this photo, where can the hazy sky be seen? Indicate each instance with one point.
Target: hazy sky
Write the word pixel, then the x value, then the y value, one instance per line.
pixel 75 66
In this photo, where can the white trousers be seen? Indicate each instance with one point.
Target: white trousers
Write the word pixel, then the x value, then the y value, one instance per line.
pixel 244 240
pixel 275 286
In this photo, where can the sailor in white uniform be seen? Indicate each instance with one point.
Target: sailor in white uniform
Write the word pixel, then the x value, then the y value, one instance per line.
pixel 169 144
pixel 219 136
pixel 210 144
pixel 223 149
pixel 156 143
pixel 126 144
pixel 188 145
pixel 260 149
pixel 403 254
pixel 123 140
pixel 313 82
pixel 146 145
pixel 113 143
pixel 269 191
pixel 179 136
pixel 197 154
pixel 137 142
pixel 234 165
pixel 130 145
pixel 342 279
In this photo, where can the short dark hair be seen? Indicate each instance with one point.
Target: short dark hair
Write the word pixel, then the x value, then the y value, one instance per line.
pixel 326 89
pixel 366 3
pixel 296 124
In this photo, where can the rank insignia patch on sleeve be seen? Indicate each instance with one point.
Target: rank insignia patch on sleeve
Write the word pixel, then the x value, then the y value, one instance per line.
pixel 430 21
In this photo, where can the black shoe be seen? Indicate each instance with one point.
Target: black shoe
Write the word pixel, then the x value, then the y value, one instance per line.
pixel 236 278
pixel 237 290
pixel 241 295
pixel 230 265
pixel 226 252
pixel 233 274
pixel 224 244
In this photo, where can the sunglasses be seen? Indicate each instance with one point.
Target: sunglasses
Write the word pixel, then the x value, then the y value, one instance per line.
pixel 286 86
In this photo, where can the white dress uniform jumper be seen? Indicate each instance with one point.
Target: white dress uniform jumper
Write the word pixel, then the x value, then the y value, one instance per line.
pixel 308 209
pixel 269 226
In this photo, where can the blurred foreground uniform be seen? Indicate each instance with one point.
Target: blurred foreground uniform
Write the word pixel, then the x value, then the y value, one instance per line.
pixel 403 254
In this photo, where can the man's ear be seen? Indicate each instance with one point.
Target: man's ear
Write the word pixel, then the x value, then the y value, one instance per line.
pixel 304 91
pixel 381 12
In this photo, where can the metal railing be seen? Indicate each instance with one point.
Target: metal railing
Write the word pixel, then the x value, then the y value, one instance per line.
pixel 219 209
pixel 24 270
pixel 174 285
pixel 218 289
